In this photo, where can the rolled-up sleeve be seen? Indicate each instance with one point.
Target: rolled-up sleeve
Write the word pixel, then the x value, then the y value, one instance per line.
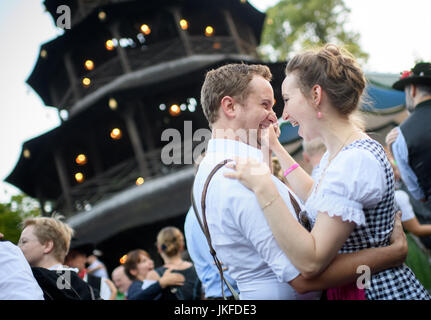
pixel 401 155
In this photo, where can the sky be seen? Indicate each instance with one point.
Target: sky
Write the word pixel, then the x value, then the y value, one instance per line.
pixel 393 32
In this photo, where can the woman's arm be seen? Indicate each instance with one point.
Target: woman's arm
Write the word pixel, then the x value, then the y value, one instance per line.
pixel 344 268
pixel 299 180
pixel 420 230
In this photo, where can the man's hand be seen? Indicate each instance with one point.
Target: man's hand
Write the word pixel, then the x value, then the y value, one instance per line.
pixel 391 137
pixel 399 239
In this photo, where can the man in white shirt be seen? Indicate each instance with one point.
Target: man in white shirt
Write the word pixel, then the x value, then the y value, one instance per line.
pixel 237 101
pixel 16 279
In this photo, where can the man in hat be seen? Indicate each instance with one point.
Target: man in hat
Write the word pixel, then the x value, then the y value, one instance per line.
pixel 410 142
pixel 77 258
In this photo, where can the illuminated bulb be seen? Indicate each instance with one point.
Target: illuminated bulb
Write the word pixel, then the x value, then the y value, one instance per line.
pixel 162 107
pixel 102 15
pixel 89 65
pixel 86 82
pixel 139 181
pixel 113 104
pixel 243 1
pixel 184 24
pixel 43 53
pixel 123 259
pixel 174 110
pixel 209 31
pixel 79 177
pixel 145 29
pixel 217 45
pixel 81 159
pixel 26 153
pixel 109 44
pixel 116 134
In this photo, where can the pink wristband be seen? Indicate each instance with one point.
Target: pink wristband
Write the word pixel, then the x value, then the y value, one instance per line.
pixel 293 167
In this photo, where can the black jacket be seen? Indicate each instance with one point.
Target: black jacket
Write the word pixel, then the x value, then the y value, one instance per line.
pixel 63 285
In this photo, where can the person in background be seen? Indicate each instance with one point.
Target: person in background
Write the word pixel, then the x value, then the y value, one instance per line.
pixel 95 266
pixel 145 285
pixel 16 278
pixel 410 142
pixel 312 152
pixel 170 245
pixel 45 242
pixel 121 281
pixel 77 258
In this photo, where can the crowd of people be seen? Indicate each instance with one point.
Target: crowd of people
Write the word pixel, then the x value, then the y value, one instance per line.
pixel 262 227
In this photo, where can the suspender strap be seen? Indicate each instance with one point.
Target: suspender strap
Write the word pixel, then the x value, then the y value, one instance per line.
pixel 204 227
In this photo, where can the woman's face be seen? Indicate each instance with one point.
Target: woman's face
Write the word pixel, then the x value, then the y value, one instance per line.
pixel 298 109
pixel 144 266
pixel 31 247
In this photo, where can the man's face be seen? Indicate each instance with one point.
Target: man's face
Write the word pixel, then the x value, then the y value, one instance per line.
pixel 409 98
pixel 256 113
pixel 76 259
pixel 120 279
pixel 31 247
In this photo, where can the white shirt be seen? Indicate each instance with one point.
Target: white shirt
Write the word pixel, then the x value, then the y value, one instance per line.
pixel 102 273
pixel 353 181
pixel 16 278
pixel 239 231
pixel 403 201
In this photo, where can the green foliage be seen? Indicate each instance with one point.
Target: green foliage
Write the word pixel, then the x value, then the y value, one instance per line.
pixel 294 25
pixel 419 262
pixel 13 213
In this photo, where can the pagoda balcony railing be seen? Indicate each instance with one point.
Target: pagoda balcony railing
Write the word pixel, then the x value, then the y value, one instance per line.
pixel 121 177
pixel 140 58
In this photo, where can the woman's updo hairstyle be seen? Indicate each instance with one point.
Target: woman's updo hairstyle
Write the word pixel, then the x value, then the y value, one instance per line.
pixel 170 240
pixel 336 71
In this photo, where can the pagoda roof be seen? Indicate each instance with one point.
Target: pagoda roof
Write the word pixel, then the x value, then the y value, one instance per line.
pixel 39 78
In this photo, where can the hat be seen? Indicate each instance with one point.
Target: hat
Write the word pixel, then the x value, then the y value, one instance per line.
pixel 85 248
pixel 420 74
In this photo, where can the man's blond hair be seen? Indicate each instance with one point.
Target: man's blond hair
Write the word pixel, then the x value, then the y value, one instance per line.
pixel 52 229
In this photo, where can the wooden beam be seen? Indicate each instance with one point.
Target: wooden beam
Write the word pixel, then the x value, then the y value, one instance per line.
pixel 184 35
pixel 136 142
pixel 73 79
pixel 233 31
pixel 64 181
pixel 124 60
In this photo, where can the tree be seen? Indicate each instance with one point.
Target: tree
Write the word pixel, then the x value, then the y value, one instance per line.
pixel 13 213
pixel 293 25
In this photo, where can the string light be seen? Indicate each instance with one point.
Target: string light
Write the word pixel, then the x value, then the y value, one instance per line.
pixel 140 181
pixel 112 103
pixel 109 44
pixel 145 29
pixel 184 24
pixel 79 177
pixel 209 31
pixel 116 134
pixel 89 65
pixel 174 110
pixel 81 159
pixel 43 53
pixel 26 153
pixel 102 15
pixel 86 82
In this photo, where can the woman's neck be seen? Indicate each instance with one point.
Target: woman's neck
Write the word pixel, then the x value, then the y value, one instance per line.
pixel 339 134
pixel 175 260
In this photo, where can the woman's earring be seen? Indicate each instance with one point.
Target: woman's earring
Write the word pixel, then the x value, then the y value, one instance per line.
pixel 319 115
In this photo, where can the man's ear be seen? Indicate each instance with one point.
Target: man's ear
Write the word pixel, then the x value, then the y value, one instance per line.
pixel 48 246
pixel 228 106
pixel 413 90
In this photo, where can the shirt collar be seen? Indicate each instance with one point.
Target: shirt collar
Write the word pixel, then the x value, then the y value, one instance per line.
pixel 233 148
